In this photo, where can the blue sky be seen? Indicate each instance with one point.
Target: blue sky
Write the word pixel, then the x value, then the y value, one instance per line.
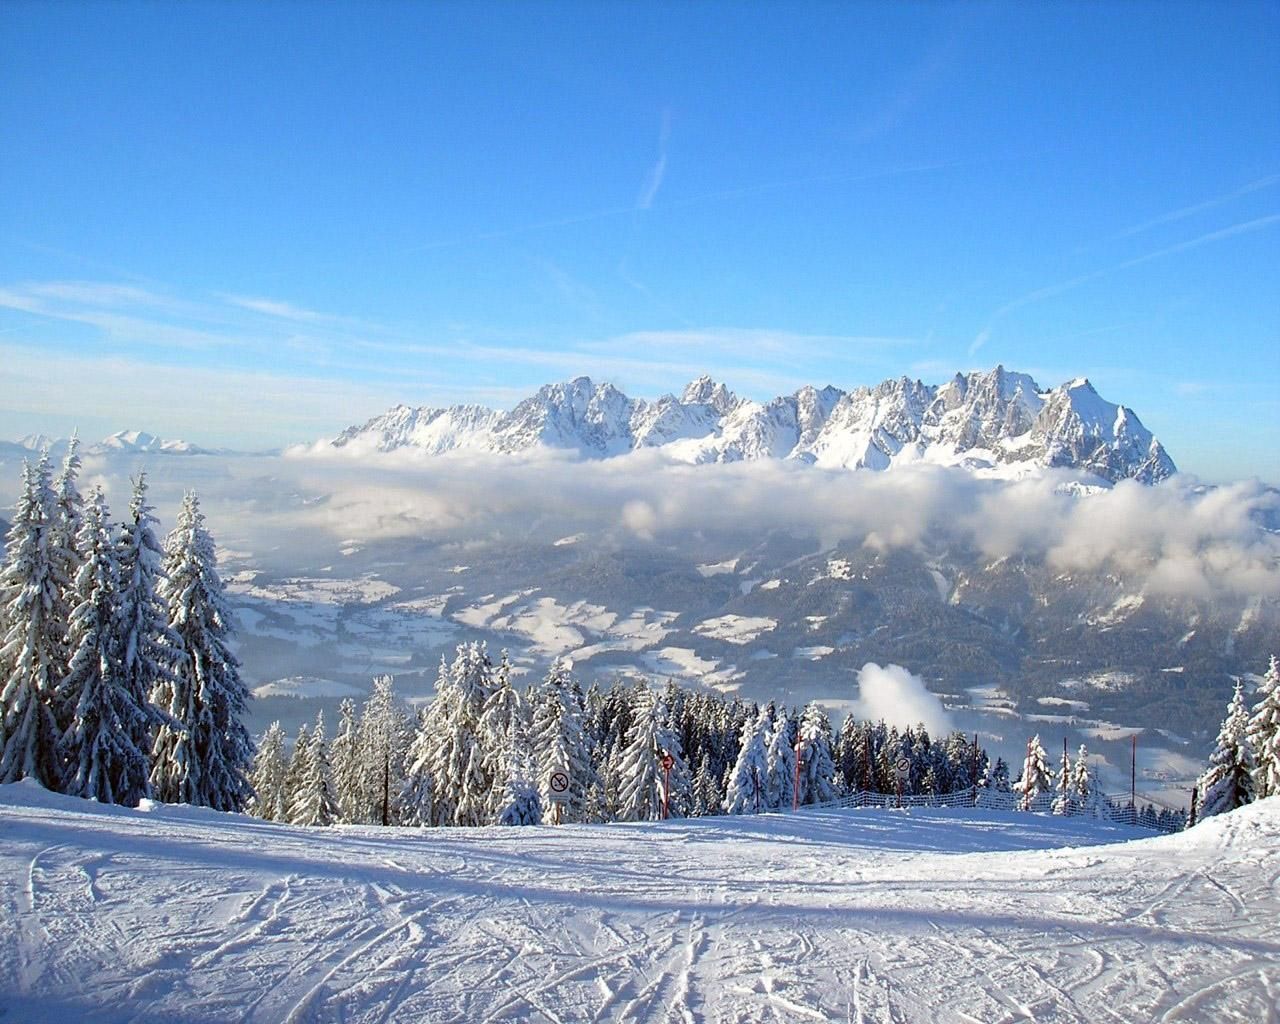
pixel 250 224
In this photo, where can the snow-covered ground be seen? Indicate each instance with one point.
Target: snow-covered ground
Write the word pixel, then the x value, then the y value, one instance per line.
pixel 169 913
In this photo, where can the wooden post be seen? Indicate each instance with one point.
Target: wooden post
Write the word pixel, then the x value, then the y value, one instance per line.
pixel 795 793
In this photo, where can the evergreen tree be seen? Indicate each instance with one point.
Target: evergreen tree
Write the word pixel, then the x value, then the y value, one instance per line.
pixel 64 533
pixel 745 792
pixel 642 776
pixel 1062 802
pixel 294 773
pixel 1083 791
pixel 314 802
pixel 503 711
pixel 1036 776
pixel 780 781
pixel 450 750
pixel 1228 781
pixel 33 647
pixel 204 757
pixel 520 803
pixel 381 755
pixel 817 767
pixel 106 746
pixel 998 779
pixel 344 755
pixel 418 794
pixel 1264 733
pixel 559 740
pixel 268 777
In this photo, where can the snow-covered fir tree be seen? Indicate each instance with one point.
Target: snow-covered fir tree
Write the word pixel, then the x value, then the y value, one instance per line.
pixel 1228 781
pixel 559 740
pixel 643 780
pixel 64 533
pixel 745 792
pixel 998 778
pixel 1062 801
pixel 313 801
pixel 780 780
pixel 381 742
pixel 107 745
pixel 418 793
pixel 344 756
pixel 1264 733
pixel 817 766
pixel 708 798
pixel 502 713
pixel 294 773
pixel 203 758
pixel 1083 790
pixel 1036 775
pixel 270 801
pixel 33 648
pixel 520 802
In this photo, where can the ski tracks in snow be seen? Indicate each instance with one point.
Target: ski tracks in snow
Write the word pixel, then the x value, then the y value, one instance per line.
pixel 777 919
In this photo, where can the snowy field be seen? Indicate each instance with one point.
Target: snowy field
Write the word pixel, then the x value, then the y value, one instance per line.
pixel 176 914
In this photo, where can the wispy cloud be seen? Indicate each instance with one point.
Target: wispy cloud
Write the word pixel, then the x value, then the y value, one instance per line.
pixel 653 182
pixel 281 310
pixel 1049 291
pixel 1190 211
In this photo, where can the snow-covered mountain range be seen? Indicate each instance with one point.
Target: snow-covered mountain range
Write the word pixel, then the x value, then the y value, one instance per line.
pixel 995 422
pixel 123 442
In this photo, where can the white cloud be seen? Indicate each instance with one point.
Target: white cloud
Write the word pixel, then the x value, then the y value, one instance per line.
pixel 899 698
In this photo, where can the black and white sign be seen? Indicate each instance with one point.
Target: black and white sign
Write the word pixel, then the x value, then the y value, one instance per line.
pixel 558 787
pixel 902 769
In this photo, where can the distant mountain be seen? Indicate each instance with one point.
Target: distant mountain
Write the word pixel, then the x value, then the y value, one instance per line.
pixel 996 422
pixel 124 442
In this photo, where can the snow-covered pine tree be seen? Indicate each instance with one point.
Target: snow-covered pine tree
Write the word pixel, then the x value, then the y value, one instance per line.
pixel 559 741
pixel 381 755
pixel 205 757
pixel 520 802
pixel 745 792
pixel 294 773
pixel 780 781
pixel 817 766
pixel 1083 791
pixel 642 776
pixel 314 802
pixel 998 778
pixel 33 652
pixel 344 756
pixel 1228 781
pixel 1036 776
pixel 268 777
pixel 708 798
pixel 417 796
pixel 1062 801
pixel 1264 733
pixel 503 712
pixel 64 533
pixel 106 747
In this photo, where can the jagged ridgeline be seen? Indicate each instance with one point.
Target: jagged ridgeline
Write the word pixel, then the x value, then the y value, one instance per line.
pixel 993 422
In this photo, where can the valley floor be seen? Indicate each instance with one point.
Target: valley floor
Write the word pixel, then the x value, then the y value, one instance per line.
pixel 177 914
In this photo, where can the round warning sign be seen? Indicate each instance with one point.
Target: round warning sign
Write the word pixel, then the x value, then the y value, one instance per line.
pixel 902 768
pixel 667 762
pixel 558 787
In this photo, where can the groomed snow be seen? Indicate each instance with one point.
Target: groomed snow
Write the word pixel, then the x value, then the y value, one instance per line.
pixel 172 913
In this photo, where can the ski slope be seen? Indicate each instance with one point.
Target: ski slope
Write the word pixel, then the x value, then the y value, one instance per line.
pixel 179 914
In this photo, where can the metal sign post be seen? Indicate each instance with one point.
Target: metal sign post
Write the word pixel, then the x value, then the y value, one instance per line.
pixel 901 773
pixel 558 791
pixel 667 762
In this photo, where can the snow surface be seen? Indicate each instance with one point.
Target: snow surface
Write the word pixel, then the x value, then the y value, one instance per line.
pixel 176 913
